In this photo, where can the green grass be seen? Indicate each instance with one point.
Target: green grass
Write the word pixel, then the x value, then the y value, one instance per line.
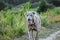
pixel 13 24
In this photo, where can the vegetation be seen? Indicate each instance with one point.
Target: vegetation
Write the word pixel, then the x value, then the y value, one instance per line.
pixel 13 24
pixel 44 5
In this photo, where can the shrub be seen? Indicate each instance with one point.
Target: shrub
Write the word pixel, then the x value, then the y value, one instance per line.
pixel 56 10
pixel 46 22
pixel 2 6
pixel 55 2
pixel 44 6
pixel 13 24
pixel 27 6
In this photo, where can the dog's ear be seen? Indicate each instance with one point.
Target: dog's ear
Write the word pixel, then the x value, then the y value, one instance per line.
pixel 33 12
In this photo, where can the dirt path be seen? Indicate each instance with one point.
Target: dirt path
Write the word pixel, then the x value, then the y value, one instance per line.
pixel 45 33
pixel 54 36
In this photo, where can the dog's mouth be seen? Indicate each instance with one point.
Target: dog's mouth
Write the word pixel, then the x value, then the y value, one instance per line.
pixel 30 22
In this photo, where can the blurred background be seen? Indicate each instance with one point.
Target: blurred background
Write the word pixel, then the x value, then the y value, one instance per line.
pixel 13 22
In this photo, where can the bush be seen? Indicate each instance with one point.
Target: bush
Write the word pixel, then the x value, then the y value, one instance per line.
pixel 13 24
pixel 44 6
pixel 2 6
pixel 56 10
pixel 55 2
pixel 46 21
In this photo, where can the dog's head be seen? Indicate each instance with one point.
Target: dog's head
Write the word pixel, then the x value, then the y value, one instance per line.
pixel 30 17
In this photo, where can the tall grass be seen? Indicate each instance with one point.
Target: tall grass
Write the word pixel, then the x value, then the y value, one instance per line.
pixel 13 24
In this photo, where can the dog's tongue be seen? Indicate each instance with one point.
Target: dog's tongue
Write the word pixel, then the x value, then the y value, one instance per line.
pixel 30 22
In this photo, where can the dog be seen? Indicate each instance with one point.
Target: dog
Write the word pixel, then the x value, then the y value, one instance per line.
pixel 34 24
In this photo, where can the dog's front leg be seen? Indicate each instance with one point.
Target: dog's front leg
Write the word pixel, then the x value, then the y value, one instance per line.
pixel 37 38
pixel 30 33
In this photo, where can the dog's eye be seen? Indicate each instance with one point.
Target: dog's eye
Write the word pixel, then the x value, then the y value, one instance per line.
pixel 33 13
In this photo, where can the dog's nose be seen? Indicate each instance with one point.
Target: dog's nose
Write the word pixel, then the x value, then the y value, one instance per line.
pixel 28 19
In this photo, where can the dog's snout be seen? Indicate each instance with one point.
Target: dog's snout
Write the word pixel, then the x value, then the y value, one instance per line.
pixel 28 19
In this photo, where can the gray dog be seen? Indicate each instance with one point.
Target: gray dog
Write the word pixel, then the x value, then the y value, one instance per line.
pixel 34 24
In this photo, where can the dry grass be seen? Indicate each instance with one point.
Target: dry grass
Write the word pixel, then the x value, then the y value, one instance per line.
pixel 55 18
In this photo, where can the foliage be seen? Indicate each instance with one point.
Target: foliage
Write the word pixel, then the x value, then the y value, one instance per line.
pixel 50 16
pixel 17 2
pixel 12 24
pixel 46 22
pixel 55 2
pixel 44 6
pixel 56 10
pixel 2 5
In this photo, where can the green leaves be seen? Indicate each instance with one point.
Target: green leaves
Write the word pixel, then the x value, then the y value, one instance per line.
pixel 27 6
pixel 14 23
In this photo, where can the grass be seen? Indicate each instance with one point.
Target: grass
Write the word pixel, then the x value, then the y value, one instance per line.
pixel 13 24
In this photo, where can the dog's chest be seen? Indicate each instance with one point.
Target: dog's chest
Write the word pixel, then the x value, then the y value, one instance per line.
pixel 32 27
